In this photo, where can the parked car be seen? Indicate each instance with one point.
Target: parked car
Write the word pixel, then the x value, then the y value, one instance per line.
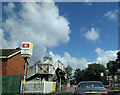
pixel 90 88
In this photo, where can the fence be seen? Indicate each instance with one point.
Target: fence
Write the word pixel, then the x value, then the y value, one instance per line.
pixel 113 87
pixel 11 84
pixel 66 87
pixel 39 87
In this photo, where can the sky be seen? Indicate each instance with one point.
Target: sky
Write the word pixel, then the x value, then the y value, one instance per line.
pixel 76 33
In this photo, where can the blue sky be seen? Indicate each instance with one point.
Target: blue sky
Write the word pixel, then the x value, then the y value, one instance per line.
pixel 75 33
pixel 81 15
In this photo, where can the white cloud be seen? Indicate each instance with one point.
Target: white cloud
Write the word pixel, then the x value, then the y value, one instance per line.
pixel 105 56
pixel 39 23
pixel 83 29
pixel 88 0
pixel 92 34
pixel 72 61
pixel 113 15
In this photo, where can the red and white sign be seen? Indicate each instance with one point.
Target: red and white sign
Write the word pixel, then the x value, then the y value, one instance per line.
pixel 25 45
pixel 27 48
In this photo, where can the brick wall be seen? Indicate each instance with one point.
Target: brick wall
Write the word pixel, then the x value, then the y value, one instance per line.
pixel 4 66
pixel 13 66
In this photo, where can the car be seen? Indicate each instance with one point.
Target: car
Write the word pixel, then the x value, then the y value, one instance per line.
pixel 90 88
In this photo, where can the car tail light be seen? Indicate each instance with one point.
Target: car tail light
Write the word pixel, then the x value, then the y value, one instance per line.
pixel 104 94
pixel 77 94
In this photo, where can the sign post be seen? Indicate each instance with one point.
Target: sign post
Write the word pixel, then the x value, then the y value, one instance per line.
pixel 24 75
pixel 62 73
pixel 26 53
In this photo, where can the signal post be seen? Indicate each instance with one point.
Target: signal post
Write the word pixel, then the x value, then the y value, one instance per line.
pixel 61 73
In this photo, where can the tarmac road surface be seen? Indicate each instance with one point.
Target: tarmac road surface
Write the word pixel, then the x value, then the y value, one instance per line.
pixel 63 93
pixel 71 92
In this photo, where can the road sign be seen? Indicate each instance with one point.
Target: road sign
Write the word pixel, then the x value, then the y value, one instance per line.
pixel 27 48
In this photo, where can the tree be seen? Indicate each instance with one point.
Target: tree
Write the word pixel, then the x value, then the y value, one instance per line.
pixel 112 66
pixel 78 75
pixel 118 57
pixel 92 73
pixel 69 70
pixel 69 74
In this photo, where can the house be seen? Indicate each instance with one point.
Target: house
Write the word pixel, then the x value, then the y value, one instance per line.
pixel 12 65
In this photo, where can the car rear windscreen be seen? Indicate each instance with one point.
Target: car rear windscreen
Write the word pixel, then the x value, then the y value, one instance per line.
pixel 87 85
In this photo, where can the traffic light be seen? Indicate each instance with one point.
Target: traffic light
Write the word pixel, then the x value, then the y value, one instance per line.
pixel 118 57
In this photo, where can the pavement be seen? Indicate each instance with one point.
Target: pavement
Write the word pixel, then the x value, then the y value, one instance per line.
pixel 68 92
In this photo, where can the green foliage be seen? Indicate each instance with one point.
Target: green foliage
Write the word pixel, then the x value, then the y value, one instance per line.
pixel 69 70
pixel 92 73
pixel 118 56
pixel 78 75
pixel 69 74
pixel 64 82
pixel 112 66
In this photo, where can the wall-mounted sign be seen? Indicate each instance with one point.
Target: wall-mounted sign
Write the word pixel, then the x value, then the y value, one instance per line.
pixel 27 48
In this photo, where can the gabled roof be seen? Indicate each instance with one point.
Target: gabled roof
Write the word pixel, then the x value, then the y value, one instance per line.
pixel 7 53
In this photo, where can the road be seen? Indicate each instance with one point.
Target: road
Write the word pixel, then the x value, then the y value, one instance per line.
pixel 72 93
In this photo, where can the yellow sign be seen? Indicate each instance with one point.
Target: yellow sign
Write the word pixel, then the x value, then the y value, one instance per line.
pixel 31 46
